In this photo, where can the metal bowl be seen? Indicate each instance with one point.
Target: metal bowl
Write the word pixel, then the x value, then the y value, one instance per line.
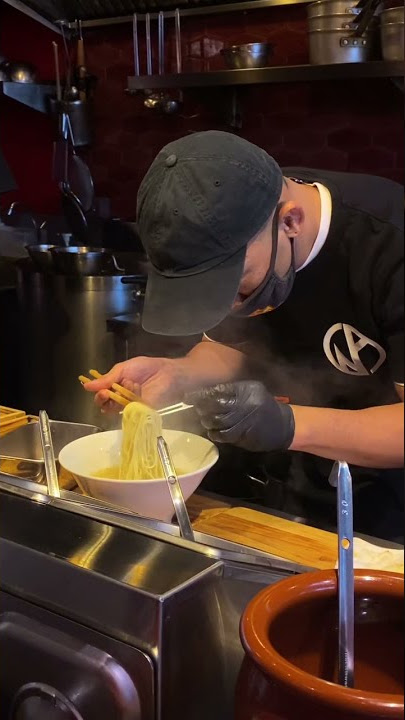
pixel 21 72
pixel 84 261
pixel 251 55
pixel 42 256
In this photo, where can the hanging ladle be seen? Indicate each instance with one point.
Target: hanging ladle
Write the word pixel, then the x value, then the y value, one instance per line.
pixel 341 479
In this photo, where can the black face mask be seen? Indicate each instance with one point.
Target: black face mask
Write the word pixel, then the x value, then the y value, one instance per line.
pixel 274 290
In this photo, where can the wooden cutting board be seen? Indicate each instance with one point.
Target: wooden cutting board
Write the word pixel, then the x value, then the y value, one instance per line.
pixel 288 540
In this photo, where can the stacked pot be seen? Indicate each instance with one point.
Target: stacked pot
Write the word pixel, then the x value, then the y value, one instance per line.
pixel 392 33
pixel 332 36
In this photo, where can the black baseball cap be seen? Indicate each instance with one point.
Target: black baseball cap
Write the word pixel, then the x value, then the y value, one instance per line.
pixel 203 198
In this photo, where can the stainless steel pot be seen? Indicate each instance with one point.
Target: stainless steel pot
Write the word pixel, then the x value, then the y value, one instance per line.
pixel 392 33
pixel 338 22
pixel 323 8
pixel 392 15
pixel 41 256
pixel 392 41
pixel 63 333
pixel 250 55
pixel 328 47
pixel 84 261
pixel 332 39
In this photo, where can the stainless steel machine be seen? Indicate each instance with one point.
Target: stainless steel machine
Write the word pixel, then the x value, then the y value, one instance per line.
pixel 106 616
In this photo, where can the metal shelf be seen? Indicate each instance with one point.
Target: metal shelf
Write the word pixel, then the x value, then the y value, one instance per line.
pixel 30 94
pixel 39 14
pixel 279 74
pixel 219 9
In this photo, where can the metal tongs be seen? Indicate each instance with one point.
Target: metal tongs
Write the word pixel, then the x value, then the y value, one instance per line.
pixel 176 494
pixel 341 478
pixel 49 455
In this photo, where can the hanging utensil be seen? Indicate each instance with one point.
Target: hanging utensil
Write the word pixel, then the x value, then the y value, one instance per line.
pixel 68 66
pixel 49 455
pixel 71 205
pixel 79 176
pixel 81 181
pixel 136 45
pixel 148 45
pixel 59 144
pixel 341 478
pixel 179 59
pixel 57 72
pixel 161 45
pixel 154 100
pixel 176 494
pixel 81 64
pixel 75 217
pixel 167 104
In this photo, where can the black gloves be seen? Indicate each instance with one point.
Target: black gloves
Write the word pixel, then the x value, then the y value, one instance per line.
pixel 246 415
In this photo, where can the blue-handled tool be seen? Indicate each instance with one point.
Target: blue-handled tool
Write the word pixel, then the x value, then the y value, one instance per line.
pixel 342 479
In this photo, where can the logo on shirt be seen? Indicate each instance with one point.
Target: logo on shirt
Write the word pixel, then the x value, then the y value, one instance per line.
pixel 355 342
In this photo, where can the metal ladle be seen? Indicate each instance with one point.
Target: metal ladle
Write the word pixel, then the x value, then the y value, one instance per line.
pixel 159 101
pixel 186 531
pixel 51 472
pixel 341 478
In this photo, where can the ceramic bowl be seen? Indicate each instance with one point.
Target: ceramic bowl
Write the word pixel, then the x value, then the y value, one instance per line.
pixel 192 456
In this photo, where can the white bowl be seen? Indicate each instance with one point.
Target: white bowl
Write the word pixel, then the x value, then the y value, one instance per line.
pixel 192 456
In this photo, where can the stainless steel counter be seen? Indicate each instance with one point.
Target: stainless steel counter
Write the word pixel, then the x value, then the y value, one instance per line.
pixel 105 578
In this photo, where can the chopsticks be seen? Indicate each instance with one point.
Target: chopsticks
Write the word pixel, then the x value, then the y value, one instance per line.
pixel 119 394
pixel 123 397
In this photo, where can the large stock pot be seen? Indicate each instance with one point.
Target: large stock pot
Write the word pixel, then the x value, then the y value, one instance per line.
pixel 63 332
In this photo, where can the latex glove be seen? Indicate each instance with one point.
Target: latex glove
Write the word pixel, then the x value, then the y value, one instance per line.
pixel 244 414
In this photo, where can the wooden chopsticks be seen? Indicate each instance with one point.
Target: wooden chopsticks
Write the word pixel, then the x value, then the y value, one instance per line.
pixel 118 393
pixel 123 397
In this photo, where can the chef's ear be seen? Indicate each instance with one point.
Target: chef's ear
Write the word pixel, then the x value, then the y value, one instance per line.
pixel 291 218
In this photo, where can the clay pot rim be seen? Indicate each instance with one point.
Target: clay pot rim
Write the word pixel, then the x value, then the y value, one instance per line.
pixel 263 609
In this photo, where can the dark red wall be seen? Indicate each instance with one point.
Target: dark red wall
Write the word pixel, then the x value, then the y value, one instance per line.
pixel 25 135
pixel 345 125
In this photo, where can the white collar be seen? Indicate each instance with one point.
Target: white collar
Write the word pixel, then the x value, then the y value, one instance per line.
pixel 324 225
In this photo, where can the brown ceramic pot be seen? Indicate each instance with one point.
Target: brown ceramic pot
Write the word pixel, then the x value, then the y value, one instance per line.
pixel 289 633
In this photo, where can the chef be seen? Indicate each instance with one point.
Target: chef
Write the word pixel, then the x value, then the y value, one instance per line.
pixel 294 279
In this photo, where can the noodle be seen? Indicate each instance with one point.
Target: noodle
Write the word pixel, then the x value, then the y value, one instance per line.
pixel 141 427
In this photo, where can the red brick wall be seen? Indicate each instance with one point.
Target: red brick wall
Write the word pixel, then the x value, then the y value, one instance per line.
pixel 344 125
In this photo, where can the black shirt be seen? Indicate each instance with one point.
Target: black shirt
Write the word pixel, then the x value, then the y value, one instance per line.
pixel 337 342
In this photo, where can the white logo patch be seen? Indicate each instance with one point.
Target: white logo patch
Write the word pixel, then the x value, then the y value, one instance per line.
pixel 355 342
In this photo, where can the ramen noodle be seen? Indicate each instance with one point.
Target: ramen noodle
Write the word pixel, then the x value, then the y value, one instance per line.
pixel 141 427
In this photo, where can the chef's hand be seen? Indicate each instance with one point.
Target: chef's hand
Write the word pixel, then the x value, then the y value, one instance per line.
pixel 244 414
pixel 159 381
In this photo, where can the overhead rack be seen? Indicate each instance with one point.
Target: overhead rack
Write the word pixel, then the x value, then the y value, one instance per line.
pixel 114 12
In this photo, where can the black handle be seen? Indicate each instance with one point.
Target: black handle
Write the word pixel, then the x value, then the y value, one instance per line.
pixel 364 18
pixel 134 280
